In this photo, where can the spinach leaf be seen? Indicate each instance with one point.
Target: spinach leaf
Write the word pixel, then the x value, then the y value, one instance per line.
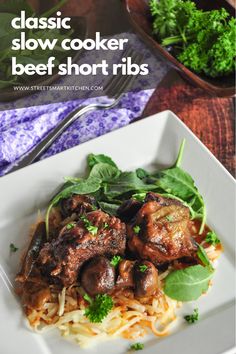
pixel 187 284
pixel 201 253
pixel 180 154
pixel 179 183
pixel 95 159
pixel 126 182
pixel 104 171
pixel 141 173
pixel 88 186
pixel 109 208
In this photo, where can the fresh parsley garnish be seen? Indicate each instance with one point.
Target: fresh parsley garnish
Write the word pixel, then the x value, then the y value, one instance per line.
pixel 192 318
pixel 89 226
pixel 70 226
pixel 137 346
pixel 204 40
pixel 98 308
pixel 13 248
pixel 169 218
pixel 212 238
pixel 106 226
pixel 143 268
pixel 115 260
pixel 136 229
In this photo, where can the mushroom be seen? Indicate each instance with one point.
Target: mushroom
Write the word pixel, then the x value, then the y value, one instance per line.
pixel 145 278
pixel 98 276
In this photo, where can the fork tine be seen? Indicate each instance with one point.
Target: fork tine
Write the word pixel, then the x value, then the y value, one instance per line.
pixel 113 80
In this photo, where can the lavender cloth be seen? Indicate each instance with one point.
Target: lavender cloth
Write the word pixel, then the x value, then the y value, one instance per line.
pixel 21 129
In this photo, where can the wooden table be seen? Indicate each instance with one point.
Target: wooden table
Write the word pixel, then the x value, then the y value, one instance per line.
pixel 210 118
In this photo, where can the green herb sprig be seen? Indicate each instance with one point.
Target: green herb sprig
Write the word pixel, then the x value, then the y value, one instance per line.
pixel 89 226
pixel 98 308
pixel 13 248
pixel 143 268
pixel 136 346
pixel 192 318
pixel 115 260
pixel 204 41
pixel 212 238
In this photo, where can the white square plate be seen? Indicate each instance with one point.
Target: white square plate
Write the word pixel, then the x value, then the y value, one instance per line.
pixel 153 140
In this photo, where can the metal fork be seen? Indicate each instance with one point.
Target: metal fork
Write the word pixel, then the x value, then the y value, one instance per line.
pixel 113 90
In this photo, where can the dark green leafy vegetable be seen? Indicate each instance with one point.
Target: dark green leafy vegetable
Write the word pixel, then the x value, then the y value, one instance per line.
pixel 192 318
pixel 13 248
pixel 98 308
pixel 95 159
pixel 201 253
pixel 115 260
pixel 188 284
pixel 109 208
pixel 127 182
pixel 104 171
pixel 137 346
pixel 212 238
pixel 179 183
pixel 204 41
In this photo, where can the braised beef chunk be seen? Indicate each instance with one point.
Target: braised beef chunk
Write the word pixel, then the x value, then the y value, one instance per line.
pixel 95 234
pixel 163 230
pixel 146 278
pixel 98 276
pixel 128 209
pixel 78 204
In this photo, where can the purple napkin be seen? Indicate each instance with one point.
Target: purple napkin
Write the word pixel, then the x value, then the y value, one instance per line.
pixel 21 129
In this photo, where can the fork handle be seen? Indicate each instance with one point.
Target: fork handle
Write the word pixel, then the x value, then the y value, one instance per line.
pixel 53 135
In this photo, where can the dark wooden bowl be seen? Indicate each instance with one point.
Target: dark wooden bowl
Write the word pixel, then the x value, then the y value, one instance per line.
pixel 140 17
pixel 79 25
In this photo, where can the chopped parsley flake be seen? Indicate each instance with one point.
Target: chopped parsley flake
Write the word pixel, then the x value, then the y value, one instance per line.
pixel 98 308
pixel 105 226
pixel 169 218
pixel 13 248
pixel 143 268
pixel 192 318
pixel 137 346
pixel 70 226
pixel 115 260
pixel 212 238
pixel 136 229
pixel 89 226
